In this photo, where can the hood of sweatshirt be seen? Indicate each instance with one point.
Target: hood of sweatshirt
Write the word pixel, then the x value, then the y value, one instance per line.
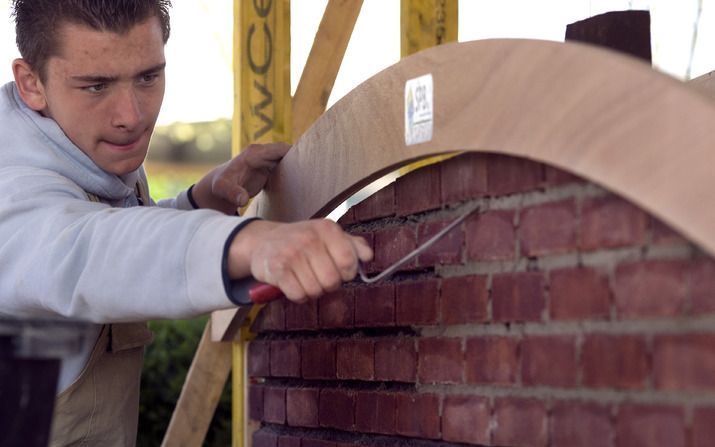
pixel 29 139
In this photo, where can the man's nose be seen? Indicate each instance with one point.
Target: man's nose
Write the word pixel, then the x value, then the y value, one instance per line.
pixel 127 111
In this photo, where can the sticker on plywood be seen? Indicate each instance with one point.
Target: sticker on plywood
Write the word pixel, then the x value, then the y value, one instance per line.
pixel 418 110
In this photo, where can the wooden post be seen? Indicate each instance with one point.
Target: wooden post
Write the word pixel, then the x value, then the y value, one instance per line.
pixel 321 69
pixel 424 24
pixel 262 114
pixel 200 394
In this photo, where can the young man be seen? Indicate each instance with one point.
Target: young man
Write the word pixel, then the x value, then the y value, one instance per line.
pixel 74 131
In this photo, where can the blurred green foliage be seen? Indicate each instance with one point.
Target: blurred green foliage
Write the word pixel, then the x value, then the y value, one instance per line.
pixel 166 363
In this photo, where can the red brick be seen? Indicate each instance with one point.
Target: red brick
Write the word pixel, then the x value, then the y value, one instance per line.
pixel 302 407
pixel 492 360
pixel 380 204
pixel 520 422
pixel 684 362
pixel 418 190
pixel 650 289
pixel 662 234
pixel 259 356
pixel 337 409
pixel 646 426
pixel 392 244
pixel 337 309
pixel 609 222
pixel 302 317
pixel 270 318
pixel 549 360
pixel 288 441
pixel 264 439
pixel 318 359
pixel 348 218
pixel 446 250
pixel 255 402
pixel 356 359
pixel 464 299
pixel 375 412
pixel 614 361
pixel 579 294
pixel 702 287
pixel 548 229
pixel 490 236
pixel 418 415
pixel 463 177
pixel 310 442
pixel 466 419
pixel 508 175
pixel 375 306
pixel 395 360
pixel 518 296
pixel 581 424
pixel 285 358
pixel 417 302
pixel 440 360
pixel 703 427
pixel 557 177
pixel 274 405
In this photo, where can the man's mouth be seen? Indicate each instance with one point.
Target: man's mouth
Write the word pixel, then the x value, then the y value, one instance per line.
pixel 123 145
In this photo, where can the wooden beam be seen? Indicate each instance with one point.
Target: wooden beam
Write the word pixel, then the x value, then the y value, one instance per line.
pixel 321 69
pixel 200 394
pixel 262 114
pixel 426 23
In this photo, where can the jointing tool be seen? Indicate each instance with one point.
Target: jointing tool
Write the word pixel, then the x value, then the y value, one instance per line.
pixel 260 293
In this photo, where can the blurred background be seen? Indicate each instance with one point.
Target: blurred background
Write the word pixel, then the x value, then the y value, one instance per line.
pixel 194 129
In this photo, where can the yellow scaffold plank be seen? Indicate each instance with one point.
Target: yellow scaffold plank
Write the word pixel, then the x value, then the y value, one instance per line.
pixel 424 24
pixel 262 114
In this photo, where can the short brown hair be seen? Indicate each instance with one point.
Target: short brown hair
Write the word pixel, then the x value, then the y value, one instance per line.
pixel 37 22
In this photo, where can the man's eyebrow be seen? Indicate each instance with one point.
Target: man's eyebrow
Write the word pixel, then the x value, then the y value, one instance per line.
pixel 154 69
pixel 103 79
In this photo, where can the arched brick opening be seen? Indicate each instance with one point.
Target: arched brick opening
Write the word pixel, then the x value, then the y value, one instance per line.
pixel 560 315
pixel 565 313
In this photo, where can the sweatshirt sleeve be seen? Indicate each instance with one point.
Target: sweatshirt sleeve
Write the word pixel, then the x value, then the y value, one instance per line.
pixel 64 256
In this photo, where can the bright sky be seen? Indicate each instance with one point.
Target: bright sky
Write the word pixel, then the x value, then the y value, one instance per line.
pixel 199 78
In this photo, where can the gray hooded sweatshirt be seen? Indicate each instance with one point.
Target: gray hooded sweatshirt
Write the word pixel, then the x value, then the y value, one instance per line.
pixel 62 256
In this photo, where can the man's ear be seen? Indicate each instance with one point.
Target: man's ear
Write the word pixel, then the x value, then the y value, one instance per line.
pixel 29 85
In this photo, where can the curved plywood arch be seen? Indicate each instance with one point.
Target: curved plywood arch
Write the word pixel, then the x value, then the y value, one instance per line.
pixel 600 115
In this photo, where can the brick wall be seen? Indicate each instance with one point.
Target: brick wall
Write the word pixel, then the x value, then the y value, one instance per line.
pixel 560 315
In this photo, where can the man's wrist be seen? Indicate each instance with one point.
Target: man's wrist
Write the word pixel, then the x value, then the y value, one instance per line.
pixel 190 196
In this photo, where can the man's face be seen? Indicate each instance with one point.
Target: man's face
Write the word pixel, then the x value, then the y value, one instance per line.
pixel 105 91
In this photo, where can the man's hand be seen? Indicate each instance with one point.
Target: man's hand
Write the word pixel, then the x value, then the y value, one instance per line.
pixel 231 184
pixel 303 259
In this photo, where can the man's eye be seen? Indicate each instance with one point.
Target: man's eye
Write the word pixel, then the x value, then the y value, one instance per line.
pixel 149 78
pixel 96 88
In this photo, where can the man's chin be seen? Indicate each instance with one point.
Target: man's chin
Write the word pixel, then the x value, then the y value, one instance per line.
pixel 121 168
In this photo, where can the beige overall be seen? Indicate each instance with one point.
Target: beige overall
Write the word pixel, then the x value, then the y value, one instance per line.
pixel 101 408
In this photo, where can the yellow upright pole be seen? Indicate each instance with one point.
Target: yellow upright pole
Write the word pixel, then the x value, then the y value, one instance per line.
pixel 262 109
pixel 424 24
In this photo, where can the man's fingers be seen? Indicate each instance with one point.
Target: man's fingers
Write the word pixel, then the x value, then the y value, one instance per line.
pixel 230 191
pixel 364 252
pixel 265 155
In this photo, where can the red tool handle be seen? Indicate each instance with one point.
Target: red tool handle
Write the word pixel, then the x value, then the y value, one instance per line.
pixel 264 293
